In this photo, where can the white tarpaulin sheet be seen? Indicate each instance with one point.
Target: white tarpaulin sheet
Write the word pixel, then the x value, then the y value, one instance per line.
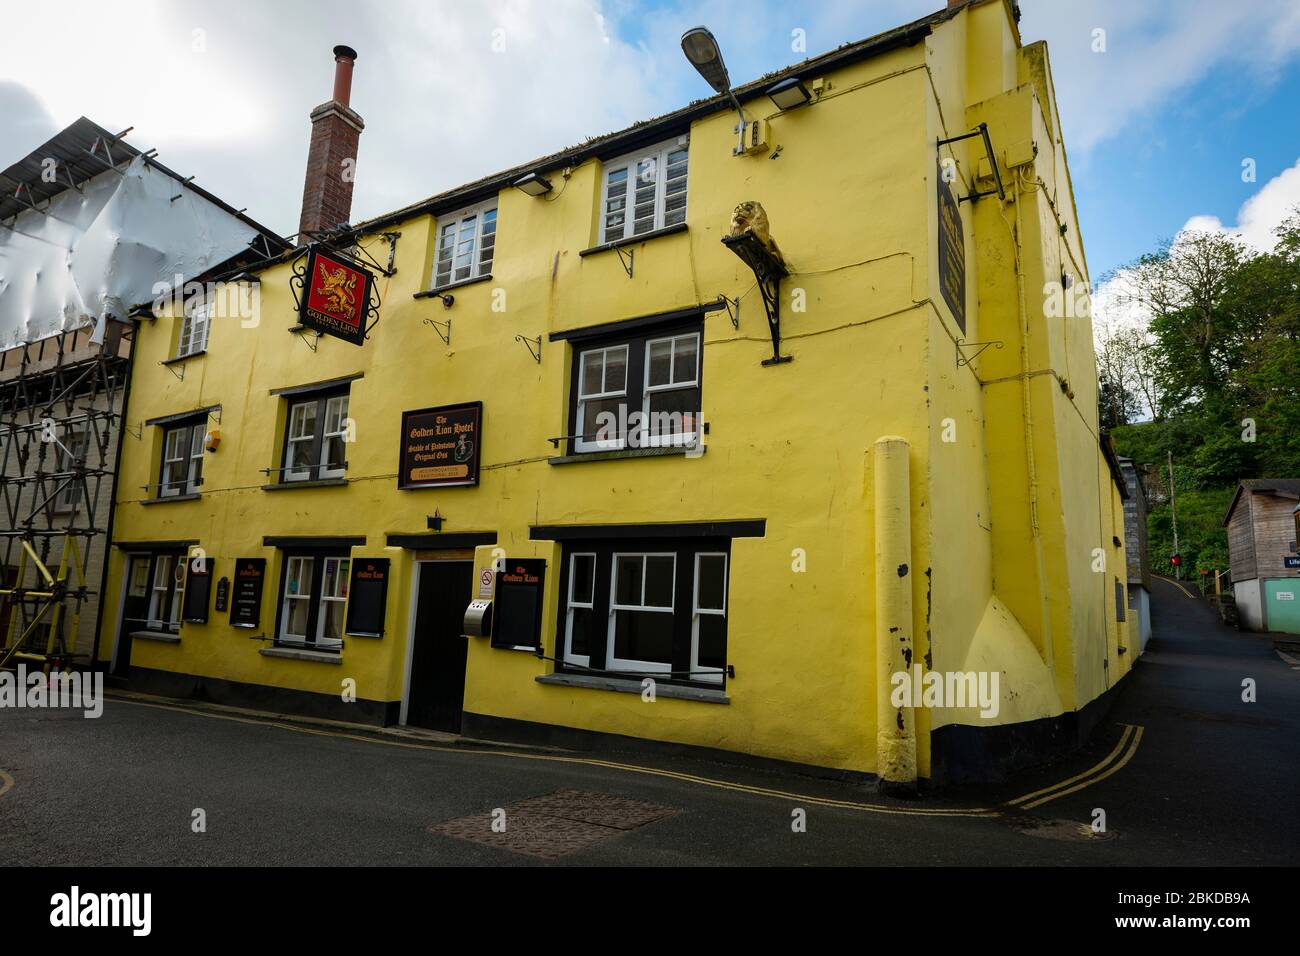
pixel 105 249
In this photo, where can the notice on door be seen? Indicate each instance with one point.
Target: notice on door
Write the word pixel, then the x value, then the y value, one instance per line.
pixel 441 446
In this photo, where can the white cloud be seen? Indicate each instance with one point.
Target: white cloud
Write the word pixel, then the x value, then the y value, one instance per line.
pixel 1260 214
pixel 1152 52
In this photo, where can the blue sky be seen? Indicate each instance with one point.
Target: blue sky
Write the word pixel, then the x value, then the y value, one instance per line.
pixel 1156 125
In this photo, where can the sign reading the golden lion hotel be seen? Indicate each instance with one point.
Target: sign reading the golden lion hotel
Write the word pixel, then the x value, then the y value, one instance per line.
pixel 335 297
pixel 440 446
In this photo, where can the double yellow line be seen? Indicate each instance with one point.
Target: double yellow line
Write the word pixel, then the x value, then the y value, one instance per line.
pixel 1127 746
pixel 1124 751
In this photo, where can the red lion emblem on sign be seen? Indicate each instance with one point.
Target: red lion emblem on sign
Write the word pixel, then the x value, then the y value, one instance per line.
pixel 338 286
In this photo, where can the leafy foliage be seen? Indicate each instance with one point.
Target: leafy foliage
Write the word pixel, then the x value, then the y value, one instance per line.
pixel 1222 349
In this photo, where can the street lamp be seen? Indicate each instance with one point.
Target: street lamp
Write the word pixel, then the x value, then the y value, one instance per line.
pixel 701 48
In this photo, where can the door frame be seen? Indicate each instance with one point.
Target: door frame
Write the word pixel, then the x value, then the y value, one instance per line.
pixel 451 555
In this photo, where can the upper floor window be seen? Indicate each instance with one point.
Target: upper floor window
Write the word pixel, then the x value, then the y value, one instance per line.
pixel 194 329
pixel 638 392
pixel 466 242
pixel 316 438
pixel 644 191
pixel 182 458
pixel 71 450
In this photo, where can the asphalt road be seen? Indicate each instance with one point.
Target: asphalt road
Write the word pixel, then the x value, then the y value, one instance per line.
pixel 1212 781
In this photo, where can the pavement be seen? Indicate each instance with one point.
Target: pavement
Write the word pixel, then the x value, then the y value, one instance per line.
pixel 1185 771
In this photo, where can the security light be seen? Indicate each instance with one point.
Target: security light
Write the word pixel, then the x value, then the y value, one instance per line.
pixel 789 93
pixel 533 185
pixel 701 48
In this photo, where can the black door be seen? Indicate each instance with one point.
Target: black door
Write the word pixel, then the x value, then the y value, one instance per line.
pixel 135 609
pixel 438 659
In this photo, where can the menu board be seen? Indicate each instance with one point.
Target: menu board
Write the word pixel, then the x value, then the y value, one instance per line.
pixel 198 589
pixel 441 446
pixel 367 597
pixel 518 605
pixel 246 598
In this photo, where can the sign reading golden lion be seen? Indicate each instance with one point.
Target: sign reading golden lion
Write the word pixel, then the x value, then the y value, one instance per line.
pixel 336 297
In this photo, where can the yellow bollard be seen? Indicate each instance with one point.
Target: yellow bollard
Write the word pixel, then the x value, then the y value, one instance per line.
pixel 895 726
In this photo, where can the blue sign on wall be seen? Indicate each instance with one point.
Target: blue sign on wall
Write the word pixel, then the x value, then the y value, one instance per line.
pixel 1291 560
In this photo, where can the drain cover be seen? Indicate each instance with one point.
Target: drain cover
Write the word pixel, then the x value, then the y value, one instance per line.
pixel 555 824
pixel 1071 831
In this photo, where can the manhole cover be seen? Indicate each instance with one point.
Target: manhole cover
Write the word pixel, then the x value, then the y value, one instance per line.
pixel 554 824
pixel 1070 831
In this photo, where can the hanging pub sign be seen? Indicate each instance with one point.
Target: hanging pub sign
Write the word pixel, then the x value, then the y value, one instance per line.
pixel 441 446
pixel 246 600
pixel 367 597
pixel 198 588
pixel 952 252
pixel 518 605
pixel 335 296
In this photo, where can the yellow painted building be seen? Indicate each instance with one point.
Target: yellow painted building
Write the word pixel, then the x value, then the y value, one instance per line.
pixel 747 580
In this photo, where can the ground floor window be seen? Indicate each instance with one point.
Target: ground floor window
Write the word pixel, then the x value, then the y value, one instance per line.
pixel 646 609
pixel 155 592
pixel 313 595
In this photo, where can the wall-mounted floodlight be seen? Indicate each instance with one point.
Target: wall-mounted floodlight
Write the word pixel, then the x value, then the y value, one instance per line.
pixel 533 185
pixel 701 48
pixel 789 93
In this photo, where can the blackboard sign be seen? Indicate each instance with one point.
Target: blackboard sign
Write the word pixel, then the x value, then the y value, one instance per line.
pixel 518 605
pixel 367 597
pixel 198 588
pixel 952 252
pixel 246 604
pixel 223 595
pixel 440 446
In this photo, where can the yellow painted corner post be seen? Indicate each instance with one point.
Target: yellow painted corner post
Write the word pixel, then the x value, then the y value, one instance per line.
pixel 895 725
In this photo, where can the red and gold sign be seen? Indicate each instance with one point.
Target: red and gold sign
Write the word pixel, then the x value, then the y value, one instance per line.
pixel 336 297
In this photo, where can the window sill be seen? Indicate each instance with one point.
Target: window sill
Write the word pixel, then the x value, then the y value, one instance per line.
pixel 633 686
pixel 163 637
pixel 171 498
pixel 444 289
pixel 318 483
pixel 622 453
pixel 633 240
pixel 297 654
pixel 183 358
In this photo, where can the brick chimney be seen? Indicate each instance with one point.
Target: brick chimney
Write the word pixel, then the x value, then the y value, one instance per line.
pixel 331 160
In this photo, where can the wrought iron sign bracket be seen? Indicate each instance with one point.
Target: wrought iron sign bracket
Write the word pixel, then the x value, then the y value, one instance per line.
pixel 137 433
pixel 176 368
pixel 981 131
pixel 964 359
pixel 390 269
pixel 768 271
pixel 534 347
pixel 625 257
pixel 437 327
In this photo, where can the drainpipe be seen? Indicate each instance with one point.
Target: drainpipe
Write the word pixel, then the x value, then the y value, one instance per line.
pixel 895 726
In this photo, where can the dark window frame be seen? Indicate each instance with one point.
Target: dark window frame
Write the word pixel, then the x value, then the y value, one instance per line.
pixel 189 425
pixel 685 551
pixel 319 555
pixel 321 400
pixel 146 623
pixel 636 388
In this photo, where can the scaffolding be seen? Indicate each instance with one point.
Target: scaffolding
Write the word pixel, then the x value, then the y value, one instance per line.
pixel 62 400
